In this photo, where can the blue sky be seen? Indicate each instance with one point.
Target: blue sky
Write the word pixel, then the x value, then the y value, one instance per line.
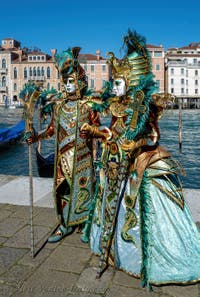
pixel 99 24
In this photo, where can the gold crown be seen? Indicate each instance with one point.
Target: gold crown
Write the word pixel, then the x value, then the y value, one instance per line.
pixel 130 67
pixel 136 61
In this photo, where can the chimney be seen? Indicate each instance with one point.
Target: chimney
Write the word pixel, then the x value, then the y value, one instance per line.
pixel 53 52
pixel 20 55
pixel 98 54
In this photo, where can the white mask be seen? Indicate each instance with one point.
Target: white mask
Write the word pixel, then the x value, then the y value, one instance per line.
pixel 119 87
pixel 70 86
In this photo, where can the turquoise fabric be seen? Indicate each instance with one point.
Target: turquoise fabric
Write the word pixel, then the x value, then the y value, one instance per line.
pixel 167 241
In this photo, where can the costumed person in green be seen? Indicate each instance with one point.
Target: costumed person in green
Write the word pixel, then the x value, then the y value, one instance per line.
pixel 73 169
pixel 140 223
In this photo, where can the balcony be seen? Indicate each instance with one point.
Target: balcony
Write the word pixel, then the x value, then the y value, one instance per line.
pixel 3 89
pixel 36 78
pixel 3 70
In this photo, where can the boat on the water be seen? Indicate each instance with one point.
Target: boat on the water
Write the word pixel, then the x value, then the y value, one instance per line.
pixel 45 164
pixel 12 134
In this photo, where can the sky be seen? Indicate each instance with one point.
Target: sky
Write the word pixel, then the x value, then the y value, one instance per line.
pixel 101 24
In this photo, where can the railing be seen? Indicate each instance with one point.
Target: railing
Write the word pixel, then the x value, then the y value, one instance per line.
pixel 3 89
pixel 3 70
pixel 36 78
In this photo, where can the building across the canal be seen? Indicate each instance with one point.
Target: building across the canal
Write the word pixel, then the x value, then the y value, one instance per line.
pixel 176 71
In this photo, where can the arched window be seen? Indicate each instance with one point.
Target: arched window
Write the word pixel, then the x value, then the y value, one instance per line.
pixel 3 81
pixel 48 72
pixel 3 63
pixel 92 83
pixel 34 71
pixel 38 71
pixel 25 72
pixel 30 71
pixel 15 72
pixel 42 71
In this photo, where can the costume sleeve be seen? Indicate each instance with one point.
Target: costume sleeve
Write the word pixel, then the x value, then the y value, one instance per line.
pixel 47 133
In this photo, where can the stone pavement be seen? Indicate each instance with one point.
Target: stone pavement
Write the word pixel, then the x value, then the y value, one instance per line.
pixel 67 268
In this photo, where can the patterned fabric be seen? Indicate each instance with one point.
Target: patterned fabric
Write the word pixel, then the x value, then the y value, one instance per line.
pixel 74 165
pixel 141 223
pixel 154 236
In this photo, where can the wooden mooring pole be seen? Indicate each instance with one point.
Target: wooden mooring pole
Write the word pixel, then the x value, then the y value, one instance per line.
pixel 180 124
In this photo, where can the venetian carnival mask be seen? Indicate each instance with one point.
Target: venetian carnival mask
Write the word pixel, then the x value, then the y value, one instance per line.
pixel 119 87
pixel 70 85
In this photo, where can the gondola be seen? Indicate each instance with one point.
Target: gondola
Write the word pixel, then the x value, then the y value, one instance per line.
pixel 11 135
pixel 45 165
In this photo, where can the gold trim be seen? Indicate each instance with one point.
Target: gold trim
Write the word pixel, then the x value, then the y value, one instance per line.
pixel 169 194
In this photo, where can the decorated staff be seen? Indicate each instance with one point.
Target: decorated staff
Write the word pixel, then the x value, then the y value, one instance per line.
pixel 29 95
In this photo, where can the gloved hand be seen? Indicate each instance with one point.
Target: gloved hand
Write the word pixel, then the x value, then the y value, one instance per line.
pixel 30 137
pixel 97 132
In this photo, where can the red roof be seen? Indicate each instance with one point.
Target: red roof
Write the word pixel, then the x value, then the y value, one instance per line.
pixel 90 57
pixel 154 46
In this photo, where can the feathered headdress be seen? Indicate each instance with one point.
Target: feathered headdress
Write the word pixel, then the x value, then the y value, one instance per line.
pixel 136 61
pixel 67 64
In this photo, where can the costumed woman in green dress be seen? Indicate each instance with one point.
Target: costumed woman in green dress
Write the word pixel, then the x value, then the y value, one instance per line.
pixel 140 223
pixel 73 169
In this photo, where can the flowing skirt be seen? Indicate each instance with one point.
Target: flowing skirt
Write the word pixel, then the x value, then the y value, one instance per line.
pixel 156 240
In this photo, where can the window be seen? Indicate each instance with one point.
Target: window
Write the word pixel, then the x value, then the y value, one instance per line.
pixel 172 90
pixel 34 71
pixel 182 71
pixel 196 72
pixel 38 58
pixel 48 86
pixel 196 82
pixel 157 67
pixel 3 81
pixel 158 84
pixel 158 54
pixel 172 70
pixel 182 81
pixel 103 83
pixel 30 58
pixel 30 71
pixel 38 71
pixel 172 81
pixel 15 72
pixel 186 82
pixel 58 86
pixel 103 68
pixel 48 72
pixel 34 58
pixel 196 91
pixel 182 90
pixel 15 87
pixel 92 83
pixel 92 68
pixel 187 91
pixel 42 57
pixel 186 73
pixel 3 63
pixel 25 72
pixel 195 61
pixel 42 71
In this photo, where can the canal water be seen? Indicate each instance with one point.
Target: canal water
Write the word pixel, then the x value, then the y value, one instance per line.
pixel 14 160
